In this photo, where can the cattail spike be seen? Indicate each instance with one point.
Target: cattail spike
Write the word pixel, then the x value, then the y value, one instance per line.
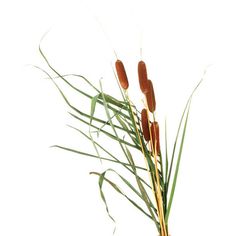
pixel 121 73
pixel 142 75
pixel 145 124
pixel 155 137
pixel 150 96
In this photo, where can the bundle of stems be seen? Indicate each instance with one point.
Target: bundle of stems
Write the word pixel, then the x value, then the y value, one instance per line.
pixel 156 189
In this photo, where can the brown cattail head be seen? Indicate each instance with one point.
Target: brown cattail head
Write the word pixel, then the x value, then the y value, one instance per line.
pixel 145 124
pixel 150 96
pixel 142 75
pixel 120 69
pixel 155 137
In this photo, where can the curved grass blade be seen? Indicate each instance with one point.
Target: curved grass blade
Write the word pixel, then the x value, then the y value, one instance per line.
pixel 76 75
pixel 110 121
pixel 59 75
pixel 71 106
pixel 130 132
pixel 110 99
pixel 116 159
pixel 94 156
pixel 125 127
pixel 146 198
pixel 121 192
pixel 177 165
pixel 105 132
pixel 177 134
pixel 93 106
pixel 100 182
pixel 142 189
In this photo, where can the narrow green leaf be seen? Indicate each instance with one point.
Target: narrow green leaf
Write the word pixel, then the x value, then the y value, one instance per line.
pixel 100 182
pixel 177 134
pixel 94 156
pixel 144 194
pixel 121 192
pixel 109 118
pixel 110 98
pixel 177 165
pixel 92 110
pixel 142 189
pixel 79 76
pixel 126 165
pixel 93 106
pixel 128 131
pixel 105 132
pixel 166 152
pixel 165 197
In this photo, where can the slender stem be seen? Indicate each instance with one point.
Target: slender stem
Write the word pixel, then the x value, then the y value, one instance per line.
pixel 157 184
pixel 143 152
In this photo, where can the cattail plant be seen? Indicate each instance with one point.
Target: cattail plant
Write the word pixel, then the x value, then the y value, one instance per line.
pixel 154 182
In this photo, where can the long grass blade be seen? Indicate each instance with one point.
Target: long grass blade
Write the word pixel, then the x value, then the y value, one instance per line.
pixel 94 156
pixel 177 165
pixel 125 127
pixel 71 106
pixel 126 165
pixel 105 132
pixel 121 192
pixel 92 110
pixel 100 182
pixel 177 134
pixel 109 98
pixel 79 76
pixel 129 131
pixel 112 126
pixel 143 192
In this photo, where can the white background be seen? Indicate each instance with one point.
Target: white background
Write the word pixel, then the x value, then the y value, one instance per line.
pixel 47 192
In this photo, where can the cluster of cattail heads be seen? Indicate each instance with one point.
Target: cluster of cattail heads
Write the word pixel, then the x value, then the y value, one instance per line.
pixel 146 85
pixel 150 132
pixel 150 129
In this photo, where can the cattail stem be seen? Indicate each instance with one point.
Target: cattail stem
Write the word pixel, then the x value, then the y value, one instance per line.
pixel 145 159
pixel 154 119
pixel 157 185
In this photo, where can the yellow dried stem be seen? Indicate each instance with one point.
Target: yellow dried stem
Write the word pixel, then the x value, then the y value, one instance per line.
pixel 158 187
pixel 146 163
pixel 155 137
